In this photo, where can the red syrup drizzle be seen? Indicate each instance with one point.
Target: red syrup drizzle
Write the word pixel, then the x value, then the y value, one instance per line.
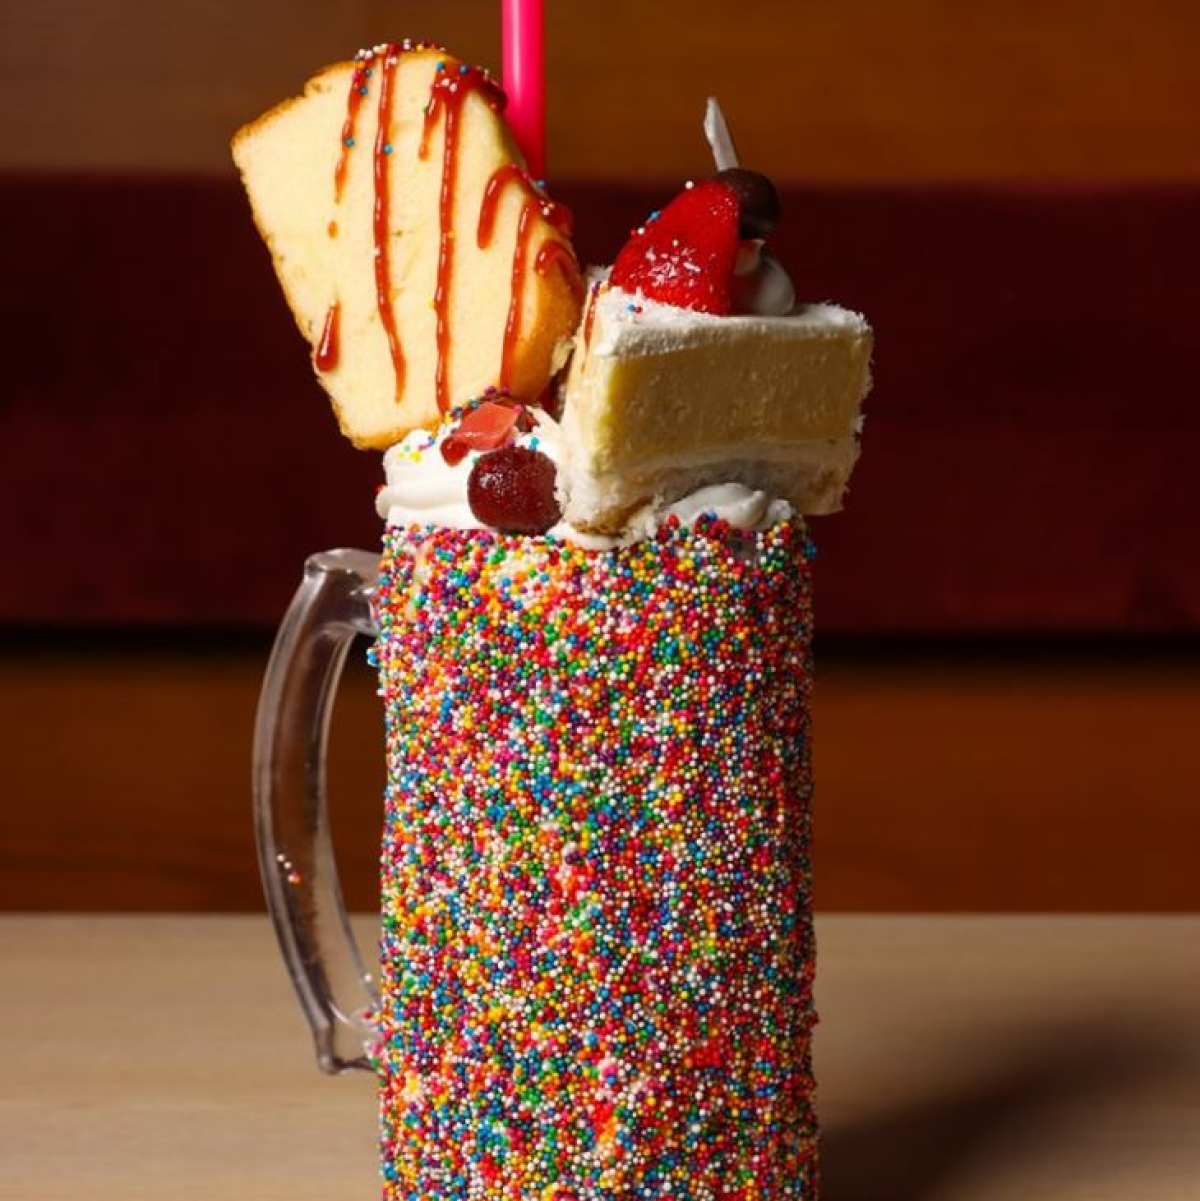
pixel 501 177
pixel 358 89
pixel 326 354
pixel 451 86
pixel 512 327
pixel 557 215
pixel 383 274
pixel 551 252
pixel 327 349
pixel 589 318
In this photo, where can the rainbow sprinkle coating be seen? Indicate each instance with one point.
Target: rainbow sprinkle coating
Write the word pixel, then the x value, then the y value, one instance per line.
pixel 597 950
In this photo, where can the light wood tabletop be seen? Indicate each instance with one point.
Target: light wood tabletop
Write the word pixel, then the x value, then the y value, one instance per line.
pixel 959 1059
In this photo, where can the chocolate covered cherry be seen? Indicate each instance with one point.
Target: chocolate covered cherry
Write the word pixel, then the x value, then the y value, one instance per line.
pixel 512 489
pixel 758 201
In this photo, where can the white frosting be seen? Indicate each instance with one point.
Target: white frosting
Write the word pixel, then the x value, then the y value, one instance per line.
pixel 744 508
pixel 423 489
pixel 628 323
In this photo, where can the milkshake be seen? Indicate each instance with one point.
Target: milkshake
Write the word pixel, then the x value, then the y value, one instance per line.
pixel 593 632
pixel 597 949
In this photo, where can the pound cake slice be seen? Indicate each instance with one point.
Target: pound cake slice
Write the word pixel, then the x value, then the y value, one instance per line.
pixel 420 261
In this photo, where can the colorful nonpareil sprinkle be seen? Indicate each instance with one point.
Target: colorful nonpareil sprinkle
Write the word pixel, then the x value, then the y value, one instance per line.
pixel 597 951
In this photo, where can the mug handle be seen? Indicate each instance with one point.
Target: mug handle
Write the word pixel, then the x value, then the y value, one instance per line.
pixel 291 811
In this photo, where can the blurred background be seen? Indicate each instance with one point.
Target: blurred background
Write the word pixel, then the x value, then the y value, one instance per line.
pixel 1008 694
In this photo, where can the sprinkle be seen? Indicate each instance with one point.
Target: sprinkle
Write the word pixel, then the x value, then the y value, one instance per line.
pixel 597 944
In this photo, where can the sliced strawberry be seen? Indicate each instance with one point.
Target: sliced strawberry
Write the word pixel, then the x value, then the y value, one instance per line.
pixel 485 427
pixel 686 254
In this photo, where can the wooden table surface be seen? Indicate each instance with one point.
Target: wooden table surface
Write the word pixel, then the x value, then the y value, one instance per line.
pixel 959 1059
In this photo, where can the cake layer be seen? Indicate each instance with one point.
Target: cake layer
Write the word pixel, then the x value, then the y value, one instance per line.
pixel 662 399
pixel 420 261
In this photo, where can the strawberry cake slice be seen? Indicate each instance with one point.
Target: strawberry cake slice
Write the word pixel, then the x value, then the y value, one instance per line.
pixel 694 365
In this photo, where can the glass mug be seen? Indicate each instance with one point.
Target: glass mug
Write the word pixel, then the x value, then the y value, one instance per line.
pixel 595 976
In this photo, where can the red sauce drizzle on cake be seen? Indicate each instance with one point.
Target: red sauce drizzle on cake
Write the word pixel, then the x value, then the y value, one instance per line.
pixel 327 349
pixel 516 298
pixel 383 274
pixel 451 86
pixel 358 89
pixel 325 356
pixel 551 252
pixel 589 317
pixel 501 177
pixel 558 215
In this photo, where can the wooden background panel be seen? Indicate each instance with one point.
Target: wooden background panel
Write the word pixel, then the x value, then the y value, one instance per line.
pixel 1040 781
pixel 853 90
pixel 969 781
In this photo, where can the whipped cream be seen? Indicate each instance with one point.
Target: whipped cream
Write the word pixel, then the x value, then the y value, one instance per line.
pixel 423 489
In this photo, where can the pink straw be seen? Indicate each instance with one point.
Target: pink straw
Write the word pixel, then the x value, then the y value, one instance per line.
pixel 524 71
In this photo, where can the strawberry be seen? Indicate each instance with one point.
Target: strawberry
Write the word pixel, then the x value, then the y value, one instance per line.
pixel 485 426
pixel 685 255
